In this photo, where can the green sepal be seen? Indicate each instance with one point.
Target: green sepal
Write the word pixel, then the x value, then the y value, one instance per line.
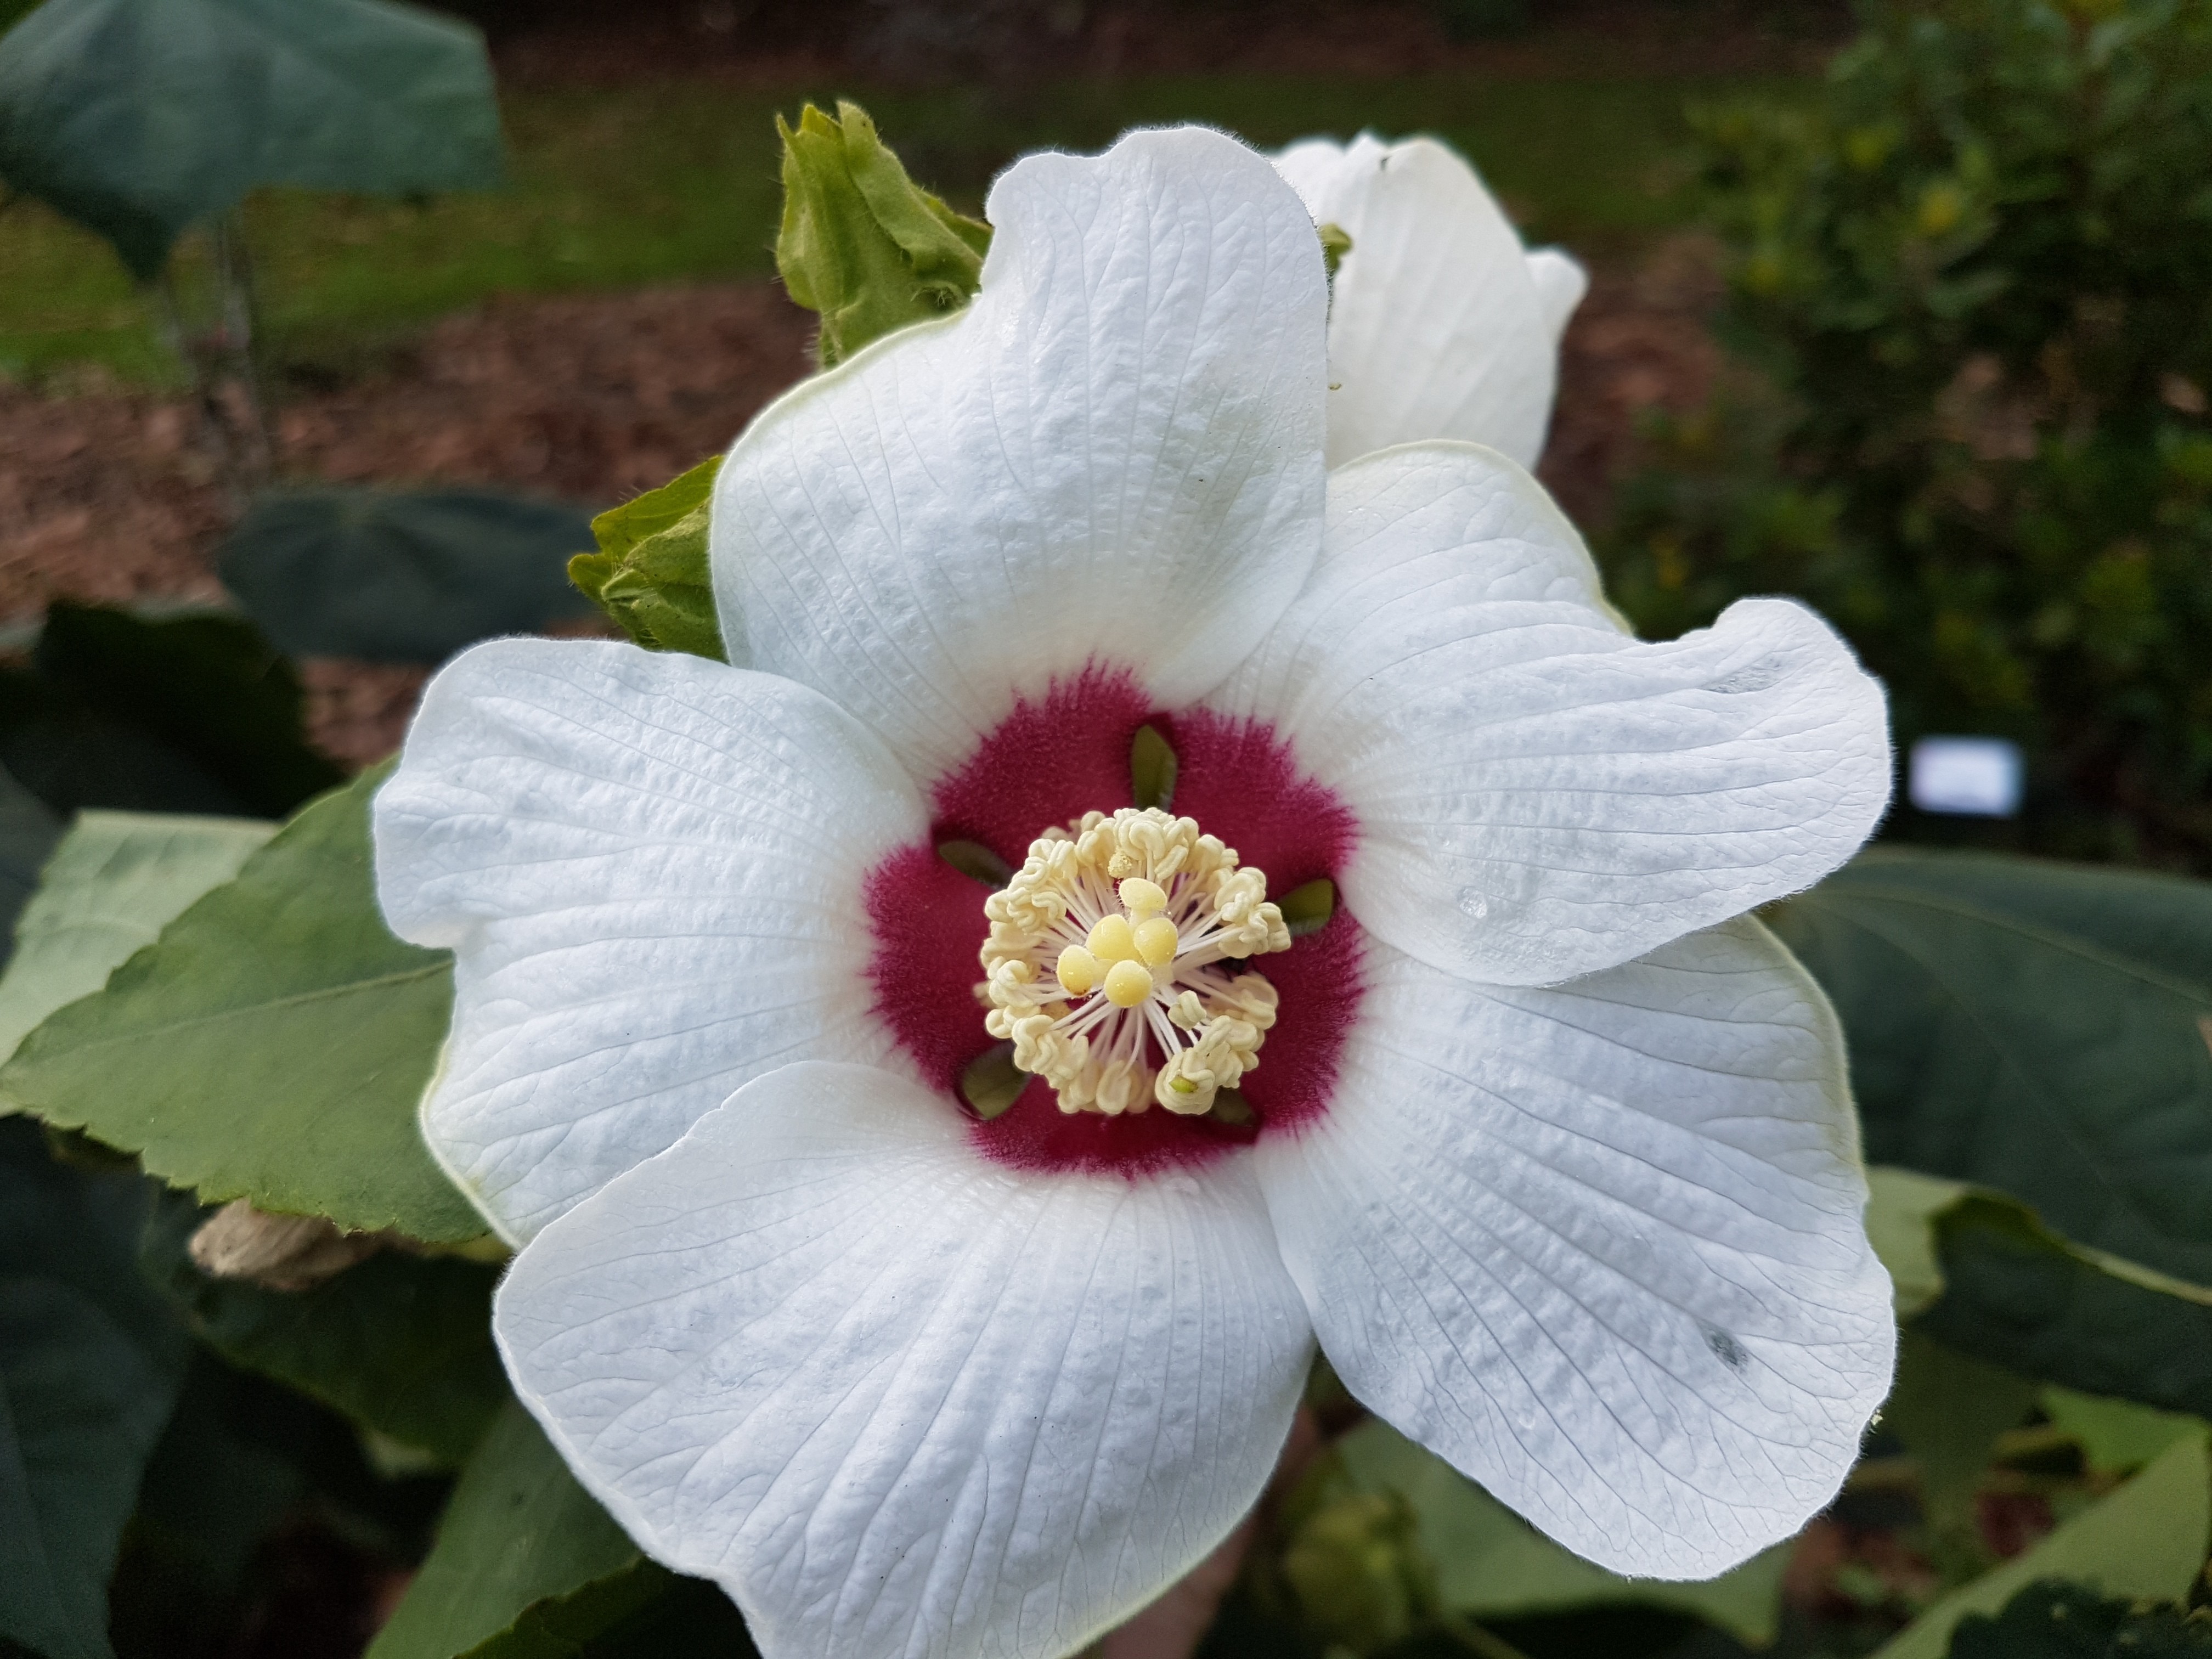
pixel 1307 909
pixel 1335 243
pixel 1152 766
pixel 650 574
pixel 862 244
pixel 991 1082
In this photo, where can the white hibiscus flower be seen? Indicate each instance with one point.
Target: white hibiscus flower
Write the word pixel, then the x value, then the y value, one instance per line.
pixel 1441 325
pixel 1544 1140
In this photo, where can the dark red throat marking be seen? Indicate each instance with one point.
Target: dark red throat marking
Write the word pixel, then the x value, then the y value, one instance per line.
pixel 1049 762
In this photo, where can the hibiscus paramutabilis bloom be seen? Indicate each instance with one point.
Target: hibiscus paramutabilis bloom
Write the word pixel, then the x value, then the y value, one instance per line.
pixel 1542 1136
pixel 1443 326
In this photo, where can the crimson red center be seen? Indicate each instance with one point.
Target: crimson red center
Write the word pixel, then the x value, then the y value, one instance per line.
pixel 1049 762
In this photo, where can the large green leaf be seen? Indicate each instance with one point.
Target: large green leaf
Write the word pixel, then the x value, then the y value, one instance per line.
pixel 1979 1273
pixel 138 118
pixel 402 576
pixel 1490 1564
pixel 650 573
pixel 114 881
pixel 521 1541
pixel 2041 1029
pixel 2144 1541
pixel 90 1365
pixel 400 1343
pixel 273 1044
pixel 861 242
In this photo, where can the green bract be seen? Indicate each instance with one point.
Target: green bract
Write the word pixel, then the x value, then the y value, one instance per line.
pixel 862 243
pixel 138 118
pixel 650 573
pixel 272 1044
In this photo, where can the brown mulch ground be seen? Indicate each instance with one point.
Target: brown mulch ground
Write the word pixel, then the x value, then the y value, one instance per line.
pixel 108 496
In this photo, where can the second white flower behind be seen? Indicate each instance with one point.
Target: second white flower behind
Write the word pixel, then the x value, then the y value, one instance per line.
pixel 1441 324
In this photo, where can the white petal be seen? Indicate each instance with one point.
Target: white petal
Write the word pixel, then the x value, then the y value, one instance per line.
pixel 899 1399
pixel 1538 795
pixel 649 867
pixel 1114 453
pixel 1600 1246
pixel 1437 327
pixel 1561 283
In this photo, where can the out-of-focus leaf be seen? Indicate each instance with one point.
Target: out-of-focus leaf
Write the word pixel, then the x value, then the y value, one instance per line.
pixel 1949 1408
pixel 1490 1564
pixel 212 1491
pixel 2144 1541
pixel 2053 1621
pixel 138 118
pixel 90 1361
pixel 114 881
pixel 209 685
pixel 1979 1273
pixel 401 576
pixel 188 713
pixel 2037 1028
pixel 862 243
pixel 2116 1437
pixel 399 1343
pixel 28 834
pixel 1903 1208
pixel 272 1044
pixel 521 1543
pixel 650 573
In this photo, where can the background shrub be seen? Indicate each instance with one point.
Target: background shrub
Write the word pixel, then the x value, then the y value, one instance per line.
pixel 1971 295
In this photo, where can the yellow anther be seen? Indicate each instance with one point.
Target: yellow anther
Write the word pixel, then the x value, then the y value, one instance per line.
pixel 1178 1023
pixel 1112 940
pixel 1157 940
pixel 1079 971
pixel 1143 898
pixel 1128 983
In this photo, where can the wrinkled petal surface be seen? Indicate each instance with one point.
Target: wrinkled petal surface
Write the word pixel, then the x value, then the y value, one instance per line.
pixel 649 869
pixel 896 1398
pixel 1113 454
pixel 1601 1246
pixel 1539 795
pixel 1440 324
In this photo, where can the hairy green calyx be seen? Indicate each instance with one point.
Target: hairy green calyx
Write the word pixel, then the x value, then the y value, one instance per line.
pixel 862 243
